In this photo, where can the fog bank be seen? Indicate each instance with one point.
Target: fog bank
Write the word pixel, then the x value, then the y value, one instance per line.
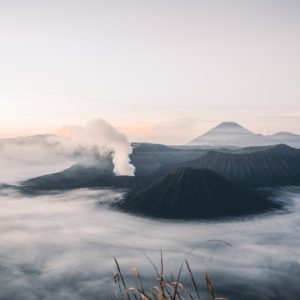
pixel 26 157
pixel 62 247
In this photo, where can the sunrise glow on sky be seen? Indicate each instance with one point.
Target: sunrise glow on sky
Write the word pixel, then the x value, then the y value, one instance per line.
pixel 161 71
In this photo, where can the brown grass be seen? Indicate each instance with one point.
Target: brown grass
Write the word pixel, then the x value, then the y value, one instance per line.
pixel 166 289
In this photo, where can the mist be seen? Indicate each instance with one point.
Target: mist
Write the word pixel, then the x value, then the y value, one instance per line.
pixel 61 246
pixel 26 157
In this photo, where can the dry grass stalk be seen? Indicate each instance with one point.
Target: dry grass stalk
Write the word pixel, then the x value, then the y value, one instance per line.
pixel 166 290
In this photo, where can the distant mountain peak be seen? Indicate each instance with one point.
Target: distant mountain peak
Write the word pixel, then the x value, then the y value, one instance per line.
pixel 227 134
pixel 285 134
pixel 222 134
pixel 230 126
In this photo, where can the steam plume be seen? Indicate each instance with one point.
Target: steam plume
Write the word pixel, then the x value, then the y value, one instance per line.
pixel 102 135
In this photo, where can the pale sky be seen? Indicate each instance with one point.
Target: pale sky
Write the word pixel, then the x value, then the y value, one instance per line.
pixel 160 70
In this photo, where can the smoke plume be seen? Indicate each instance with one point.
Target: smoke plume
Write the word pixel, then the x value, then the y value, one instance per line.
pixel 107 140
pixel 96 142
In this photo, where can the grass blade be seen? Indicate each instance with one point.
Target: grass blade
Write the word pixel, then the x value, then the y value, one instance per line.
pixel 193 280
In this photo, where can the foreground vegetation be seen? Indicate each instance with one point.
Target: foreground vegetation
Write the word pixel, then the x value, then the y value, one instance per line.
pixel 166 288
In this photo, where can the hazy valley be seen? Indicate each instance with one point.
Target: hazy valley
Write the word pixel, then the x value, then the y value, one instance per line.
pixel 232 211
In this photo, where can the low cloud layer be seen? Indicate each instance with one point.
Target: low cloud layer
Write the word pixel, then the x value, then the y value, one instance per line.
pixel 62 247
pixel 26 157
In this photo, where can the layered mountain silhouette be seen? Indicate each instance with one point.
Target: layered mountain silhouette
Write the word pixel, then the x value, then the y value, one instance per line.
pixel 148 158
pixel 255 166
pixel 80 175
pixel 192 193
pixel 251 167
pixel 271 166
pixel 222 133
pixel 233 134
pixel 287 138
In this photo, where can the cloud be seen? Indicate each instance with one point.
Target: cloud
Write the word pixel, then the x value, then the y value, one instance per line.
pixel 62 247
pixel 25 157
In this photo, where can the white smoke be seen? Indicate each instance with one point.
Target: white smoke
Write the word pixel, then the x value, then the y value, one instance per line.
pixel 102 135
pixel 26 157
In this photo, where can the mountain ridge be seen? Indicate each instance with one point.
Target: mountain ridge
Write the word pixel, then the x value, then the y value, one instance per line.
pixel 233 134
pixel 273 166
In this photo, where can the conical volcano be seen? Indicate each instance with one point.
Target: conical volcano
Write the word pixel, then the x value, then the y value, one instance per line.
pixel 226 133
pixel 193 193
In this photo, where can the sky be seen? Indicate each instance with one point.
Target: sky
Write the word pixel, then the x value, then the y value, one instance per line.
pixel 158 70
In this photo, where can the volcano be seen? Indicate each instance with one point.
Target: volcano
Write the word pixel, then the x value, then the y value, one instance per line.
pixel 231 134
pixel 190 193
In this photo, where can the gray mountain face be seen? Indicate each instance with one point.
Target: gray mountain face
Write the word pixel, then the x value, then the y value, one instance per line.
pixel 219 135
pixel 232 134
pixel 287 138
pixel 271 166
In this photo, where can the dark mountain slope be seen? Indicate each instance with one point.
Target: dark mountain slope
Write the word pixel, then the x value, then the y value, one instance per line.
pixel 252 167
pixel 79 176
pixel 148 158
pixel 272 166
pixel 192 193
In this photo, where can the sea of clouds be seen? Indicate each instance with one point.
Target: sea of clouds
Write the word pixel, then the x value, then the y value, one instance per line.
pixel 62 246
pixel 22 158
